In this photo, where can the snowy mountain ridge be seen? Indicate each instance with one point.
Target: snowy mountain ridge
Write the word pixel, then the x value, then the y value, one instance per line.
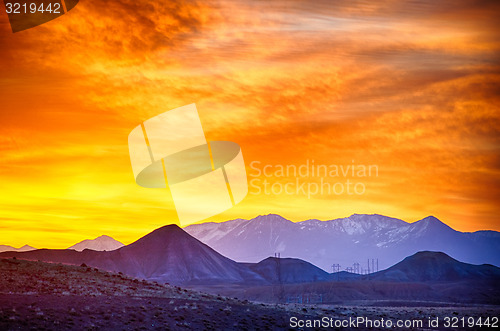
pixel 345 240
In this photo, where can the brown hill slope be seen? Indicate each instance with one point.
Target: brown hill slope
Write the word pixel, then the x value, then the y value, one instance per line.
pixel 167 254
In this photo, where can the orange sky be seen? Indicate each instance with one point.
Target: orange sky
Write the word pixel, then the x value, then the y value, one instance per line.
pixel 411 87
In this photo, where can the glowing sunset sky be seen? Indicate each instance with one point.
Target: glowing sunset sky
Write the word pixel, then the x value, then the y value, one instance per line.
pixel 409 86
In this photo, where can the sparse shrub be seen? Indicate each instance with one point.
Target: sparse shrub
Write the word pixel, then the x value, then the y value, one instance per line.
pixel 83 265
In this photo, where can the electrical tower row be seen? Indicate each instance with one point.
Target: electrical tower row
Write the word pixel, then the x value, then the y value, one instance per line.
pixel 372 266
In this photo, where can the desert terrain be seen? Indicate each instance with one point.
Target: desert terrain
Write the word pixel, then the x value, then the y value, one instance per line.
pixel 39 295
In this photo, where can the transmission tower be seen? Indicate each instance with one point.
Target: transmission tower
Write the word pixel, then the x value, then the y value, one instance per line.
pixel 336 269
pixel 281 288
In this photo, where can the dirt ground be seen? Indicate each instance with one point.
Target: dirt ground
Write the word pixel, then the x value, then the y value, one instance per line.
pixel 43 296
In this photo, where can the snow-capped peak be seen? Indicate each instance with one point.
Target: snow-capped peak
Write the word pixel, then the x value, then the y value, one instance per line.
pixel 101 243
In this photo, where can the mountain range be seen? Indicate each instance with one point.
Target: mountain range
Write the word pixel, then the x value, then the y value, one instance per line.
pixel 345 241
pixel 167 254
pixel 25 248
pixel 170 255
pixel 101 243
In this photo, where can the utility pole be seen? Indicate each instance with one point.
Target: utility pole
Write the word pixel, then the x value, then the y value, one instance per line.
pixel 281 289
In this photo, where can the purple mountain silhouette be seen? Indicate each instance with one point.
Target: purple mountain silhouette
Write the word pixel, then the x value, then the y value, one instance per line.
pixel 436 266
pixel 167 254
pixel 345 240
pixel 287 270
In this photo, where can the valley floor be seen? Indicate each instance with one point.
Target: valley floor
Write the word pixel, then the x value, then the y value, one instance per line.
pixel 76 312
pixel 37 295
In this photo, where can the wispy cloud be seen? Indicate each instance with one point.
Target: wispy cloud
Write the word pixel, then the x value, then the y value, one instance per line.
pixel 411 86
